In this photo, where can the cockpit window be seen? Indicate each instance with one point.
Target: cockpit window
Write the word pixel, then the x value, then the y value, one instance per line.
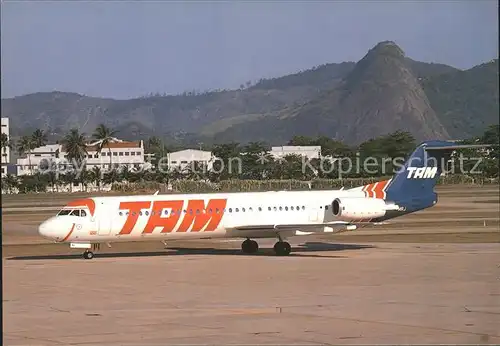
pixel 64 212
pixel 73 212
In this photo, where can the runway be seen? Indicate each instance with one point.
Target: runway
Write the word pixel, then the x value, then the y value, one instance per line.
pixel 399 284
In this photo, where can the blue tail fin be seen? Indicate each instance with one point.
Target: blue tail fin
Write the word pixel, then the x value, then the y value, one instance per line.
pixel 412 187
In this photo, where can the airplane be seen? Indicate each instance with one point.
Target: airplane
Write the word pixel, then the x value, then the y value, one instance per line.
pixel 88 222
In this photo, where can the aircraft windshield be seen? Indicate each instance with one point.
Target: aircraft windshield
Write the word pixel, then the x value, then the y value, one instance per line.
pixel 73 212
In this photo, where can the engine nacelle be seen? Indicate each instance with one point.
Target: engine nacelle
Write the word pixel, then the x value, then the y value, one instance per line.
pixel 355 209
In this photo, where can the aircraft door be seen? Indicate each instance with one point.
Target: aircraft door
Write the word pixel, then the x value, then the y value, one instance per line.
pixel 104 221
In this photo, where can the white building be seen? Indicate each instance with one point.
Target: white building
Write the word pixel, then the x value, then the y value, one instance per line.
pixel 119 153
pixel 5 151
pixel 311 152
pixel 183 158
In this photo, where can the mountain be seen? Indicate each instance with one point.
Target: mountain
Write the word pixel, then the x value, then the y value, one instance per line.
pixel 378 96
pixel 466 102
pixel 350 101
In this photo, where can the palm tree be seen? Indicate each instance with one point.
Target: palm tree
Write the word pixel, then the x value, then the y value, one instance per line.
pixel 24 146
pixel 96 175
pixel 75 147
pixel 39 138
pixel 105 136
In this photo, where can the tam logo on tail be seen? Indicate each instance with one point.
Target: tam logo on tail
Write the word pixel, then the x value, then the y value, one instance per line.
pixel 421 172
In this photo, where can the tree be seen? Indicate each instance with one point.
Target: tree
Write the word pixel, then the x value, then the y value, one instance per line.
pixel 491 136
pixel 105 136
pixel 96 177
pixel 39 138
pixel 24 147
pixel 10 182
pixel 75 147
pixel 228 155
pixel 256 160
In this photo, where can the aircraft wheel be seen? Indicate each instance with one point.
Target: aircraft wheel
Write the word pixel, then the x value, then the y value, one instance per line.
pixel 249 246
pixel 282 248
pixel 88 255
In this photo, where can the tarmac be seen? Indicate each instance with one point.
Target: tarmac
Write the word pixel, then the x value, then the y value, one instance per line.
pixel 439 286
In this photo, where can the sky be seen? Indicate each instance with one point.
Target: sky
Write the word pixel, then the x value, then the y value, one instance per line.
pixel 126 49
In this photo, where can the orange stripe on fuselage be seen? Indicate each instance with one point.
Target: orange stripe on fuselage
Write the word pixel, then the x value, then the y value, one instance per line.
pixel 69 234
pixel 376 190
pixel 84 202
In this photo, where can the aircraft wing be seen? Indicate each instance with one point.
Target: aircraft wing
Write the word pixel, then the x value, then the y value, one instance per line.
pixel 298 226
pixel 263 231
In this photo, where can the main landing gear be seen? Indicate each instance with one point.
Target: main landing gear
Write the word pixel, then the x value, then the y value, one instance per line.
pixel 249 246
pixel 281 248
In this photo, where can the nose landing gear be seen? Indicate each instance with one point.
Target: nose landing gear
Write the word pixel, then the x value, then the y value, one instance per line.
pixel 89 254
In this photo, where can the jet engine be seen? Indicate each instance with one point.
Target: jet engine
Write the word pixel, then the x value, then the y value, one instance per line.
pixel 355 209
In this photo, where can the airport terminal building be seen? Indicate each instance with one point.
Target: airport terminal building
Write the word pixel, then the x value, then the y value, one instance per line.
pixel 118 153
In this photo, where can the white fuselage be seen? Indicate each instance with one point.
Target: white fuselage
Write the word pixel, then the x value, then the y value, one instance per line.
pixel 190 216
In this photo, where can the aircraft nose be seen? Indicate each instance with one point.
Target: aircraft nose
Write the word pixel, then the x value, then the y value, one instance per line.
pixel 50 229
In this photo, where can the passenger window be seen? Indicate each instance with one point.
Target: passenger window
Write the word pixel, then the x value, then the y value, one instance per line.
pixel 146 212
pixel 275 208
pixel 197 211
pixel 243 209
pixel 210 210
pixel 326 207
pixel 291 208
pixel 260 209
pixel 269 208
pixel 250 209
pixel 281 208
pixel 230 210
pixel 286 208
pixel 236 210
pixel 217 210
